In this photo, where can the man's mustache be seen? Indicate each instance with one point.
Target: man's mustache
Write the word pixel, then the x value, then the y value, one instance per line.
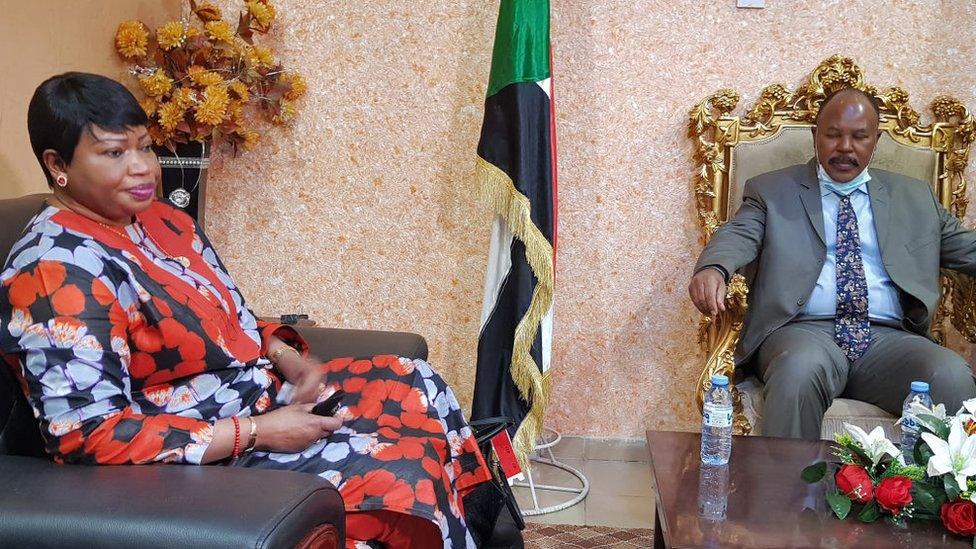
pixel 844 160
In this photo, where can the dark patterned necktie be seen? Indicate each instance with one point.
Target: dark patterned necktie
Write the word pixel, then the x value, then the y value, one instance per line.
pixel 852 330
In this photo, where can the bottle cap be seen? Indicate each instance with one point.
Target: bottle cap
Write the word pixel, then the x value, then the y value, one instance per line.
pixel 722 381
pixel 920 387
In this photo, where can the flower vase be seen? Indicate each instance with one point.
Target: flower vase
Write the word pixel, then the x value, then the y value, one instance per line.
pixel 184 177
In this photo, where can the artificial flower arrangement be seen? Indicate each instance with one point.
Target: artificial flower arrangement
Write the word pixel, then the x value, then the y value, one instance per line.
pixel 874 476
pixel 199 78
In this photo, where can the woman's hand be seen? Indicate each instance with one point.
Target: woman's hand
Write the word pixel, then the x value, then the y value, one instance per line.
pixel 309 381
pixel 305 373
pixel 292 428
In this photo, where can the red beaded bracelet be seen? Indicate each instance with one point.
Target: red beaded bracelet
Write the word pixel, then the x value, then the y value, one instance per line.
pixel 236 452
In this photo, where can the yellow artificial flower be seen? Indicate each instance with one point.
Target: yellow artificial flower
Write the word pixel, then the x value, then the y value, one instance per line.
pixel 251 138
pixel 262 12
pixel 240 90
pixel 260 56
pixel 203 77
pixel 235 110
pixel 156 84
pixel 219 31
pixel 171 35
pixel 149 105
pixel 184 97
pixel 170 115
pixel 213 106
pixel 132 40
pixel 286 113
pixel 297 86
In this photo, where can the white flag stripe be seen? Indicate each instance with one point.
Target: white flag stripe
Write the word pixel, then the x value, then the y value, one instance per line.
pixel 547 339
pixel 499 265
pixel 546 86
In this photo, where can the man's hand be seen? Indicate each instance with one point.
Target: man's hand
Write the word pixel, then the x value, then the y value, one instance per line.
pixel 707 290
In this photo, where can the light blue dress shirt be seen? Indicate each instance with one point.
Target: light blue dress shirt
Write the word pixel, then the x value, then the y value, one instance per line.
pixel 883 301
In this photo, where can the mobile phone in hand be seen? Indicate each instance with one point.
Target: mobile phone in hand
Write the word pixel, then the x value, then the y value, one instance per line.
pixel 329 406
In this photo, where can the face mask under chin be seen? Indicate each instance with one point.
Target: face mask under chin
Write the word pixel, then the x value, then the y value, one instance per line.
pixel 843 188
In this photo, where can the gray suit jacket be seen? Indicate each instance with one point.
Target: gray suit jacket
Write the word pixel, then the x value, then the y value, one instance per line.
pixel 777 240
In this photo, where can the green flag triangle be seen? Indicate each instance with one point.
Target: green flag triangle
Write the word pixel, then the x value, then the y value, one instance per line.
pixel 521 52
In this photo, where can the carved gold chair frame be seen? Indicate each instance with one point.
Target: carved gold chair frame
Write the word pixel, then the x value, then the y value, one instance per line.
pixel 717 132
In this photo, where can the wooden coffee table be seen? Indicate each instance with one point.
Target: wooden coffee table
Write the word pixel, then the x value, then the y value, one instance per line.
pixel 767 503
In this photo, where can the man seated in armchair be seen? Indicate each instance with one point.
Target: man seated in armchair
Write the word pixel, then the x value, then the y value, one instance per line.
pixel 847 271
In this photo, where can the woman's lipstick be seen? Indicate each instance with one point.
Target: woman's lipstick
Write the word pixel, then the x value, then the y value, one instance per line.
pixel 143 192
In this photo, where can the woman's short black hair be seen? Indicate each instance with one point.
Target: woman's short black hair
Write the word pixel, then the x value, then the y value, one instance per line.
pixel 65 105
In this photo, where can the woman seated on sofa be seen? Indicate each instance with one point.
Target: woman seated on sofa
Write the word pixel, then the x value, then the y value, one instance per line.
pixel 134 345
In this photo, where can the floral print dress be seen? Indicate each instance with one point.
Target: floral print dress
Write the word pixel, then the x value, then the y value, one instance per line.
pixel 130 345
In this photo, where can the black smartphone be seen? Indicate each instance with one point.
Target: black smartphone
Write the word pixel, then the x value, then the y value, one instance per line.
pixel 329 406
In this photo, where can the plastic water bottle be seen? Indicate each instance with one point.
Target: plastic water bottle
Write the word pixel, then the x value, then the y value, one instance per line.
pixel 716 433
pixel 909 425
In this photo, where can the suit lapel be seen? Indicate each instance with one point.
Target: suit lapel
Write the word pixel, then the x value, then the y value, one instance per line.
pixel 810 197
pixel 880 209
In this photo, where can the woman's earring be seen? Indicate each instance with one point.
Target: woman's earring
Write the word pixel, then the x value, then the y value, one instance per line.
pixel 62 181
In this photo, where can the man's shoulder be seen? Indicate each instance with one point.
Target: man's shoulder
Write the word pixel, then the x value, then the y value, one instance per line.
pixel 777 177
pixel 899 181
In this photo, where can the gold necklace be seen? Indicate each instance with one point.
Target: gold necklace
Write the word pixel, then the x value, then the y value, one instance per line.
pixel 182 260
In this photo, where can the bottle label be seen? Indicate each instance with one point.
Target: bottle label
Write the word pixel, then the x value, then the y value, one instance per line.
pixel 717 415
pixel 909 423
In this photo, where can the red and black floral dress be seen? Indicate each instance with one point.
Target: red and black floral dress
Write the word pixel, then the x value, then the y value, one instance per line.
pixel 129 353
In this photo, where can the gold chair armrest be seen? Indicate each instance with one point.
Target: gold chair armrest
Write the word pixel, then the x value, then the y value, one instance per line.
pixel 962 293
pixel 719 336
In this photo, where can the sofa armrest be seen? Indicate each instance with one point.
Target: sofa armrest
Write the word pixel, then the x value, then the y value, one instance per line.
pixel 43 504
pixel 329 343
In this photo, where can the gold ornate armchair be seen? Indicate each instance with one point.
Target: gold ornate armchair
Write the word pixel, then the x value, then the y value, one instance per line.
pixel 775 133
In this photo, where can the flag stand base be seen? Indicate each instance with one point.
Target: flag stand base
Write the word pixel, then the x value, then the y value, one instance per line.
pixel 545 444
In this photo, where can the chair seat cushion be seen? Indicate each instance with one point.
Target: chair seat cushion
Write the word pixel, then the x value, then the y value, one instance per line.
pixel 856 412
pixel 841 411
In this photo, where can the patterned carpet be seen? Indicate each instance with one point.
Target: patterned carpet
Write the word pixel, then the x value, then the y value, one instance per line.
pixel 565 536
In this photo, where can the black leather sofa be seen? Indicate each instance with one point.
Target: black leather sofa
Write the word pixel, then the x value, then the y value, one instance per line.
pixel 43 504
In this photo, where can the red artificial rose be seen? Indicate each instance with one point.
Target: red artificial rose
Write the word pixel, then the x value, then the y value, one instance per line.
pixel 893 493
pixel 855 482
pixel 959 517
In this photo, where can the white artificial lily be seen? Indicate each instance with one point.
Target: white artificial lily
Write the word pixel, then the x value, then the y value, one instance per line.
pixel 956 456
pixel 938 410
pixel 968 407
pixel 917 408
pixel 875 445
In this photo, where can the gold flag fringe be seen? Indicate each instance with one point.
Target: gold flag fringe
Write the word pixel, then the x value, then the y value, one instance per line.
pixel 498 191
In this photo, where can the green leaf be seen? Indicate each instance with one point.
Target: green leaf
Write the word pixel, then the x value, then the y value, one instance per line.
pixel 922 452
pixel 951 487
pixel 840 504
pixel 870 513
pixel 937 426
pixel 923 498
pixel 814 472
pixel 974 542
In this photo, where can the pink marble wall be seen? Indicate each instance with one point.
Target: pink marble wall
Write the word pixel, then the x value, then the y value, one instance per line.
pixel 363 214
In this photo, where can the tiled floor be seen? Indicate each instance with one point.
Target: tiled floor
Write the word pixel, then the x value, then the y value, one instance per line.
pixel 621 491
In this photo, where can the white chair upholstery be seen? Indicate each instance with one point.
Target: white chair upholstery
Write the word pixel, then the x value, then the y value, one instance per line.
pixel 843 410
